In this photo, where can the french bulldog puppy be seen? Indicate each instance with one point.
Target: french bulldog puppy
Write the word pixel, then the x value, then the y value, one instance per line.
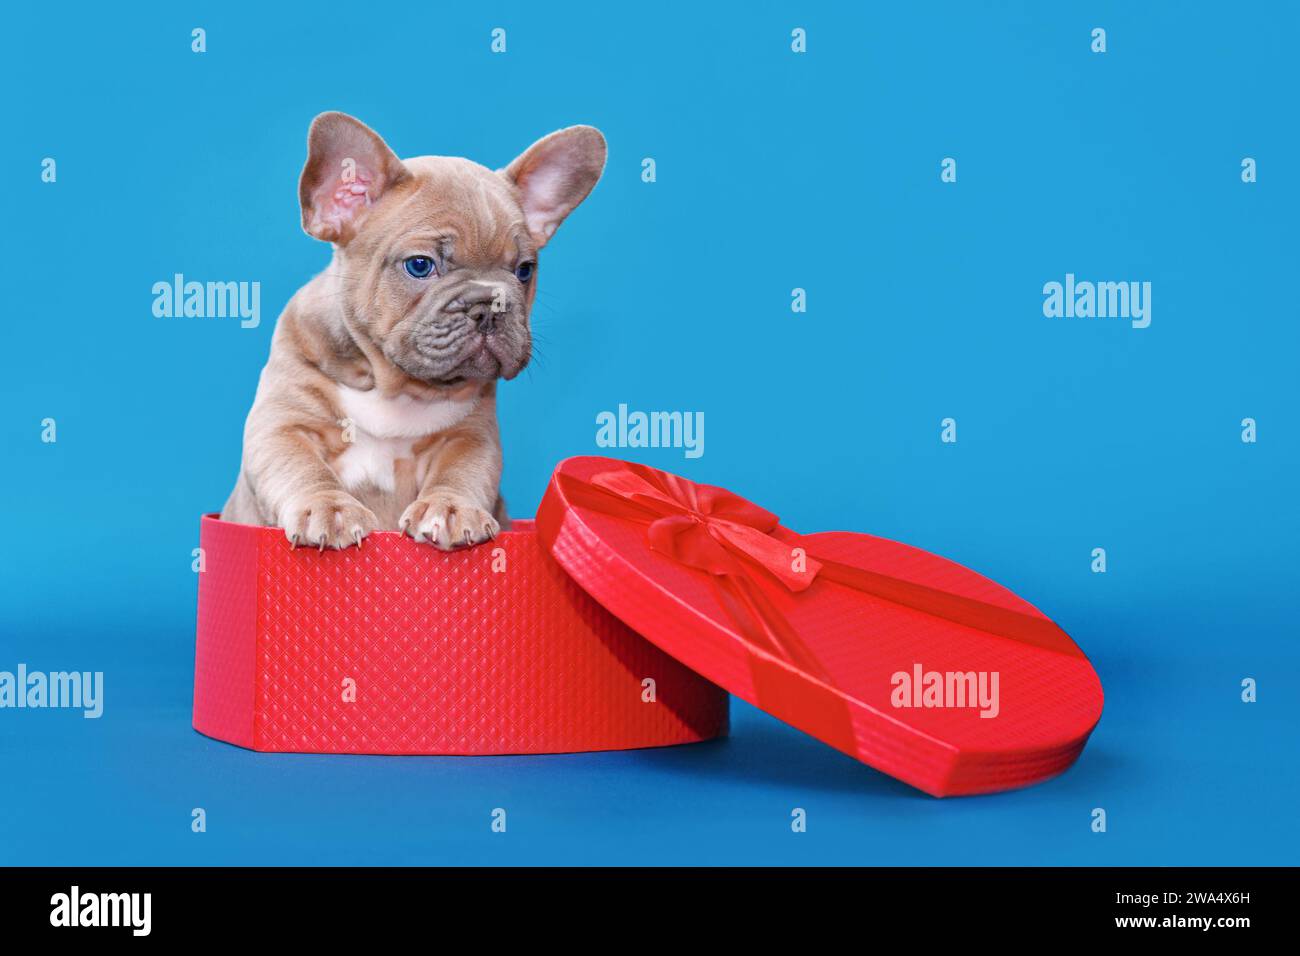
pixel 377 407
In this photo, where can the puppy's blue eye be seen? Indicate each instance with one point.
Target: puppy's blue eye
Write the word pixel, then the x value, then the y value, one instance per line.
pixel 524 271
pixel 420 267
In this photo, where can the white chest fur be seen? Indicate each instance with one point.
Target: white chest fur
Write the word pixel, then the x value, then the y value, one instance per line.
pixel 384 429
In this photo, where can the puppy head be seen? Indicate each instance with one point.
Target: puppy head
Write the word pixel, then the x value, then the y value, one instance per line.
pixel 437 256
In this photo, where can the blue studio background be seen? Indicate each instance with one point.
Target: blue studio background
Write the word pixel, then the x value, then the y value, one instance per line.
pixel 775 171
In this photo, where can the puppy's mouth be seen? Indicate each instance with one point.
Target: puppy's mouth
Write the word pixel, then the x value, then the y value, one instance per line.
pixel 481 366
pixel 491 360
pixel 477 357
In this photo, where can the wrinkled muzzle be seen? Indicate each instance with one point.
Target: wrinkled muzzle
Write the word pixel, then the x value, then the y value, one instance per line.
pixel 477 330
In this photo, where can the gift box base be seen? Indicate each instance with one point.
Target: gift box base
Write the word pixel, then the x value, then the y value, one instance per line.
pixel 398 648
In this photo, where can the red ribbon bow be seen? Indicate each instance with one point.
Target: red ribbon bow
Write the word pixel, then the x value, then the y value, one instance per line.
pixel 712 530
pixel 707 527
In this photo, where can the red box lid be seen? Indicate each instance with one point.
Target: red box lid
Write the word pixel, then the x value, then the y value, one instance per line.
pixel 902 659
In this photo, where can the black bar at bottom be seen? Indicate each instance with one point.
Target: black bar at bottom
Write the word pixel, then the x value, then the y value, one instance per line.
pixel 331 906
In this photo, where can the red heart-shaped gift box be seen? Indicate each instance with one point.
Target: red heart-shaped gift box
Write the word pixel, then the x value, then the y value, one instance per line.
pixel 615 623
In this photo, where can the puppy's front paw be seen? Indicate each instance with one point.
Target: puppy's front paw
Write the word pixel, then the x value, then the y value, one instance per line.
pixel 448 520
pixel 330 519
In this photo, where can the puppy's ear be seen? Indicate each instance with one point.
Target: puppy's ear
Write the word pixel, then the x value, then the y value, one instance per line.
pixel 348 168
pixel 555 174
